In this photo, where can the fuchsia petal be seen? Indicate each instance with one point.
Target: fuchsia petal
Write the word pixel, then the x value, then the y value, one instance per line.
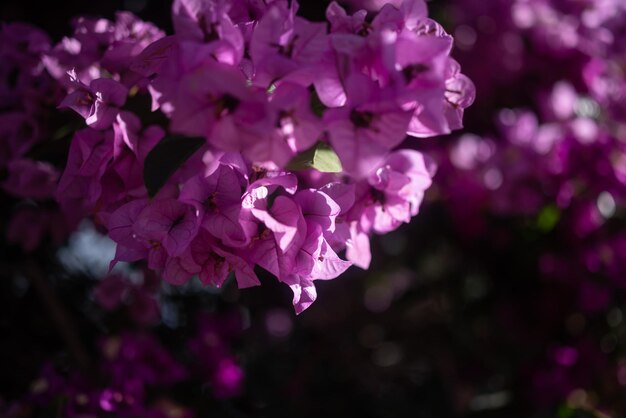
pixel 329 266
pixel 304 294
pixel 80 101
pixel 175 273
pixel 122 221
pixel 282 219
pixel 358 154
pixel 318 207
pixel 244 272
pixel 169 221
pixel 109 91
pixel 358 248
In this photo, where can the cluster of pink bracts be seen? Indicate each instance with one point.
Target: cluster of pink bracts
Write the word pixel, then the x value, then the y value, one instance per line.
pixel 301 126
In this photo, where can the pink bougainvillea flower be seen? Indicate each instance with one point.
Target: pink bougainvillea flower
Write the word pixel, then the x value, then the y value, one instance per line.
pixel 170 222
pixel 318 207
pixel 31 179
pixel 460 94
pixel 395 191
pixel 130 247
pixel 218 201
pixel 364 131
pixel 209 22
pixel 129 38
pixel 99 103
pixel 123 177
pixel 213 100
pixel 285 46
pixel 280 214
pixel 247 78
pixel 358 248
pixel 228 378
pixel 216 263
pixel 79 188
pixel 315 261
pixel 130 134
pixel 151 60
pixel 296 127
pixel 101 48
pixel 341 22
pixel 279 223
pixel 211 262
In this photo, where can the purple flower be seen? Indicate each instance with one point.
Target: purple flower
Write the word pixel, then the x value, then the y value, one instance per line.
pixel 129 134
pixel 296 127
pixel 31 179
pixel 217 198
pixel 99 103
pixel 169 222
pixel 130 247
pixel 281 229
pixel 209 22
pixel 79 187
pixel 364 131
pixel 316 260
pixel 286 47
pixel 99 47
pixel 212 263
pixel 394 192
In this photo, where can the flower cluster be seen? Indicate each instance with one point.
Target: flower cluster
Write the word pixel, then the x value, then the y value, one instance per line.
pixel 282 144
pixel 595 31
pixel 551 166
pixel 525 40
pixel 27 99
pixel 135 374
pixel 132 364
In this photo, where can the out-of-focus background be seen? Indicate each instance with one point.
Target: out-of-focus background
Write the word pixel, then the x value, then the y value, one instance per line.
pixel 504 297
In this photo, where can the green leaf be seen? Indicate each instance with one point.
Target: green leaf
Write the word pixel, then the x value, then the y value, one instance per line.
pixel 325 159
pixel 321 157
pixel 164 159
pixel 548 218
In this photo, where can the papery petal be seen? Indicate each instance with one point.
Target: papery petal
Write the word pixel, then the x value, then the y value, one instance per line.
pixel 175 273
pixel 358 247
pixel 328 265
pixel 342 194
pixel 244 272
pixel 318 207
pixel 109 91
pixel 169 221
pixel 304 294
pixel 282 219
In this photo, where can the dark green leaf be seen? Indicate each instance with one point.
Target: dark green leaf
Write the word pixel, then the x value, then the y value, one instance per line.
pixel 166 158
pixel 548 218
